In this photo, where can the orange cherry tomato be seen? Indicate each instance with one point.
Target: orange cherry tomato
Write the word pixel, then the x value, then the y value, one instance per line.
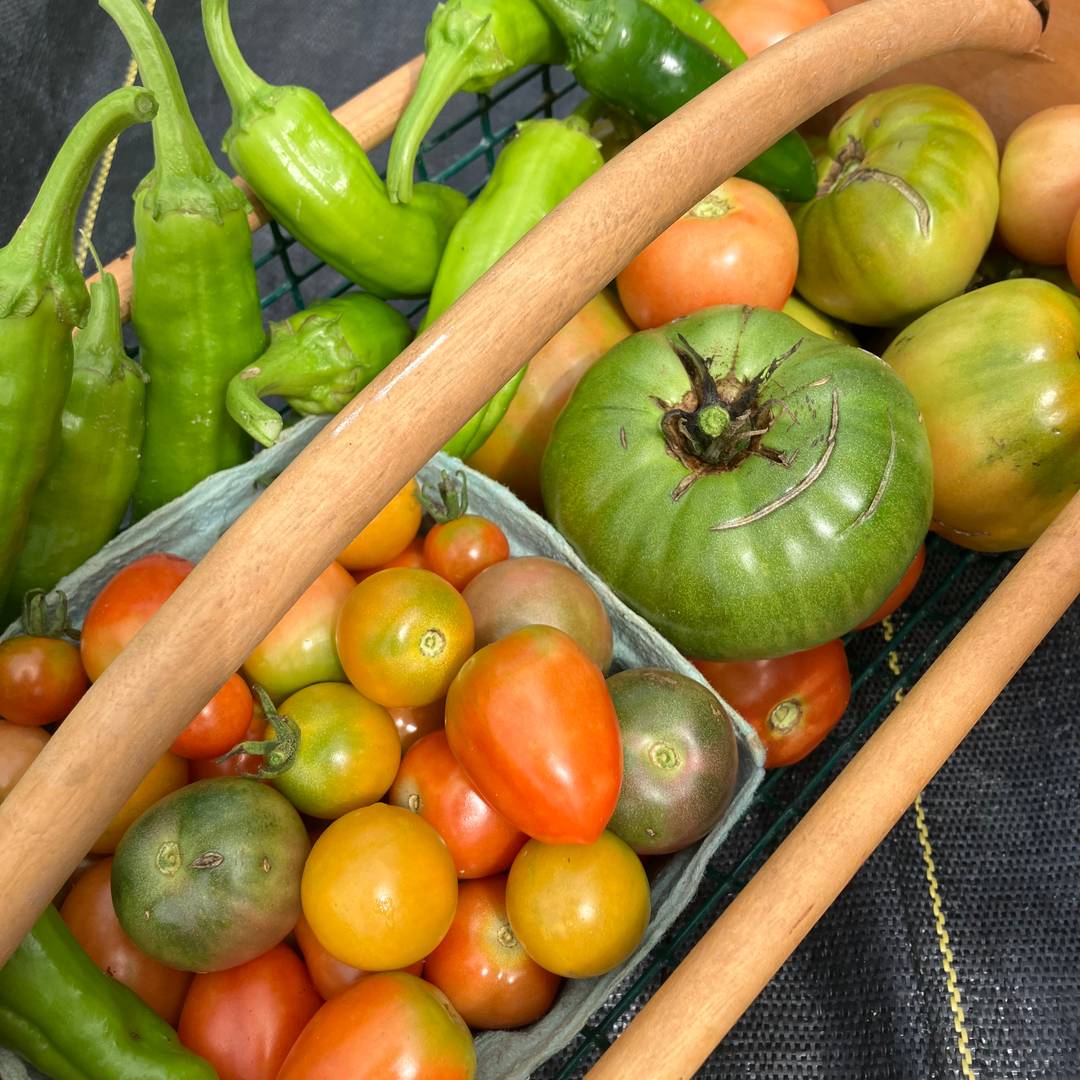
pixel 402 636
pixel 530 719
pixel 757 24
pixel 1072 255
pixel 387 534
pixel 239 764
pixel 220 725
pixel 90 916
pixel 737 246
pixel 167 774
pixel 792 702
pixel 413 723
pixel 458 550
pixel 330 976
pixel 412 556
pixel 244 1020
pixel 391 1026
pixel 379 888
pixel 432 784
pixel 578 909
pixel 41 679
pixel 483 969
pixel 126 603
pixel 903 590
pixel 19 746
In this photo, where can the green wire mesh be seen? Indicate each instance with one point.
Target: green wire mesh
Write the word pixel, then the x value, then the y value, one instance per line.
pixel 955 582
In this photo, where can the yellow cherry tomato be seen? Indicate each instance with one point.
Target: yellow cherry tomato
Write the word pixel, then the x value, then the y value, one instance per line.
pixel 168 773
pixel 379 889
pixel 388 534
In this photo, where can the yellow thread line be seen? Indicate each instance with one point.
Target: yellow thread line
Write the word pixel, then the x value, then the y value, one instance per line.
pixel 82 247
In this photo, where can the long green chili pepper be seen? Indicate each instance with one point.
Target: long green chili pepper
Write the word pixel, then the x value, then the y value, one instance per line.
pixel 83 497
pixel 315 179
pixel 534 173
pixel 469 45
pixel 631 53
pixel 73 1022
pixel 42 296
pixel 195 300
pixel 318 360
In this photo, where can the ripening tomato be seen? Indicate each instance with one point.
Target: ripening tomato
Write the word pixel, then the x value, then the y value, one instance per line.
pixel 432 784
pixel 244 1020
pixel 458 550
pixel 1072 254
pixel 579 909
pixel 300 650
pixel 402 636
pixel 387 534
pixel 243 764
pixel 221 723
pixel 904 588
pixel 737 246
pixel 483 969
pixel 166 775
pixel 414 722
pixel 379 888
pixel 90 916
pixel 792 702
pixel 392 1026
pixel 531 721
pixel 126 603
pixel 41 679
pixel 757 24
pixel 19 746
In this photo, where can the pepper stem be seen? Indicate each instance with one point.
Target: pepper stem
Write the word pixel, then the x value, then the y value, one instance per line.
pixel 42 619
pixel 102 337
pixel 455 500
pixel 240 81
pixel 278 753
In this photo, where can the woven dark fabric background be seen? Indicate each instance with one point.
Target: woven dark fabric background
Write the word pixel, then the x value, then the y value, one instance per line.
pixel 867 994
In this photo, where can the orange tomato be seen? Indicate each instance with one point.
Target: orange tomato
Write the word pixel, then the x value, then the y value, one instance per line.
pixel 432 784
pixel 167 774
pixel 387 534
pixel 402 636
pixel 392 1026
pixel 513 451
pixel 379 888
pixel 757 24
pixel 1072 254
pixel 221 723
pixel 19 745
pixel 737 246
pixel 483 969
pixel 244 1020
pixel 903 590
pixel 413 723
pixel 412 556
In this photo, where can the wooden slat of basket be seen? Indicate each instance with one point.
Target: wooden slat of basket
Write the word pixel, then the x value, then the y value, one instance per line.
pixel 279 545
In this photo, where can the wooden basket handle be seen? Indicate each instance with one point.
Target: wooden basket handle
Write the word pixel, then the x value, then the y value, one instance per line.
pixel 262 564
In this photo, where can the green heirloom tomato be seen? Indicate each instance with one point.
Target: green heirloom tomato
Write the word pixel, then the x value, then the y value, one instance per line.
pixel 748 487
pixel 996 374
pixel 906 205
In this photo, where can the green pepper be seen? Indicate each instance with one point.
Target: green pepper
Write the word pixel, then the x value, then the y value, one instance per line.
pixel 42 296
pixel 195 299
pixel 316 180
pixel 85 494
pixel 318 360
pixel 469 45
pixel 74 1022
pixel 534 173
pixel 631 53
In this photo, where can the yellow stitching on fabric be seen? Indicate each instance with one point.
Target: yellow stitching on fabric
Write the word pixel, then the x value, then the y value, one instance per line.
pixel 82 248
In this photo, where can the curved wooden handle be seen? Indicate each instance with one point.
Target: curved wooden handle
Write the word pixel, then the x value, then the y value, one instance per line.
pixel 270 555
pixel 701 1000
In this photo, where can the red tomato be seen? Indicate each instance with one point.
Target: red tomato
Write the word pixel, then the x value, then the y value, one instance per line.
pixel 737 246
pixel 90 916
pixel 483 969
pixel 531 721
pixel 757 24
pixel 41 679
pixel 126 603
pixel 458 550
pixel 1072 254
pixel 238 764
pixel 244 1020
pixel 792 702
pixel 220 725
pixel 902 591
pixel 19 746
pixel 416 721
pixel 432 784
pixel 390 1026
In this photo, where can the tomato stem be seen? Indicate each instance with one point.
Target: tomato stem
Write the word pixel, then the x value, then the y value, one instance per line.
pixel 42 619
pixel 455 500
pixel 279 753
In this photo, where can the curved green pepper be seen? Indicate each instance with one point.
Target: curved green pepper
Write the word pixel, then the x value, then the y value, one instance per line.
pixel 195 299
pixel 42 296
pixel 546 161
pixel 318 360
pixel 74 1022
pixel 469 45
pixel 83 497
pixel 315 179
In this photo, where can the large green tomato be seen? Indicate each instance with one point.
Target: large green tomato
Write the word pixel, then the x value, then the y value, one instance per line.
pixel 996 374
pixel 906 205
pixel 755 494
